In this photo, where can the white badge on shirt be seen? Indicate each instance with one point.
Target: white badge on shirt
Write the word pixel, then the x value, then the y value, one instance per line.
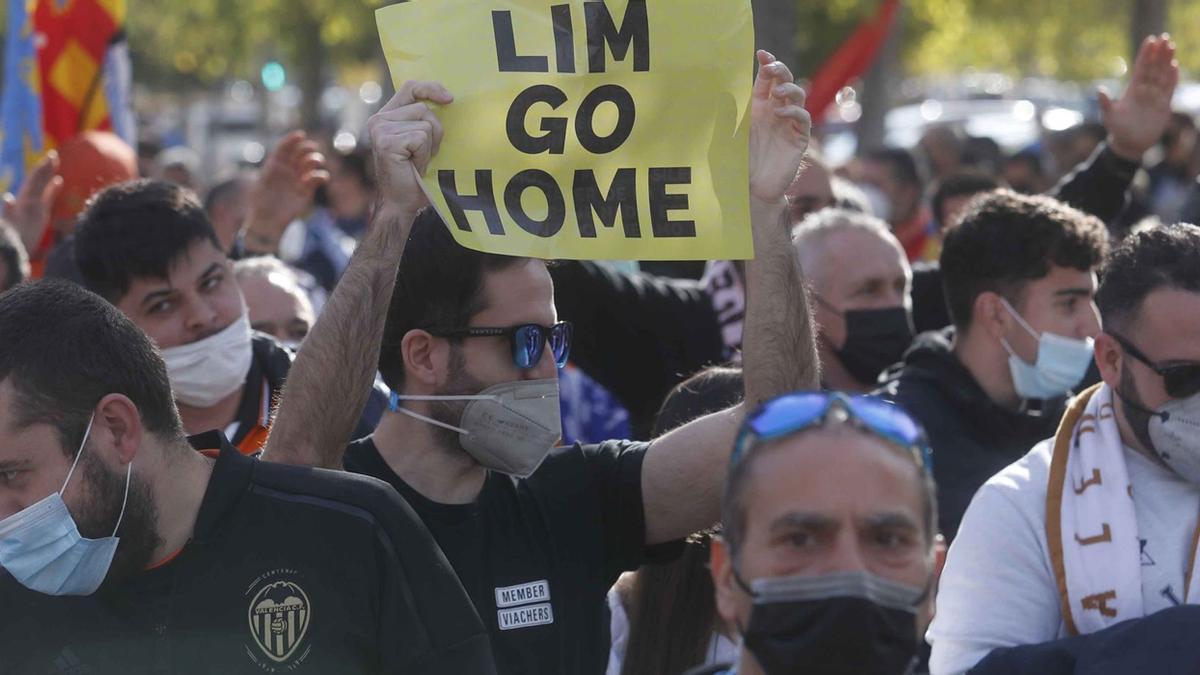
pixel 524 605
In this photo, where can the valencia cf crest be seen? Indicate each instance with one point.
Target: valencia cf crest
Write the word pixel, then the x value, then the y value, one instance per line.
pixel 279 614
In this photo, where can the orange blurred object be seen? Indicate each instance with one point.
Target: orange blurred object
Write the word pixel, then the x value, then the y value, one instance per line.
pixel 88 163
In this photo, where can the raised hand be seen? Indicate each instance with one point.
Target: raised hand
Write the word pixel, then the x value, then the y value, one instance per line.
pixel 405 134
pixel 1137 120
pixel 284 190
pixel 29 210
pixel 780 129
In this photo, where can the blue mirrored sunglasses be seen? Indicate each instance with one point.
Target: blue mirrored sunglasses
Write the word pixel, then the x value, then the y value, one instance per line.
pixel 527 340
pixel 792 413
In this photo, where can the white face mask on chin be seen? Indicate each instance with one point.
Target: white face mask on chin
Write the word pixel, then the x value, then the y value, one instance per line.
pixel 206 371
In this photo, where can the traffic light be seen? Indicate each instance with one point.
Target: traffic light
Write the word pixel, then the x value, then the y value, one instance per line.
pixel 273 76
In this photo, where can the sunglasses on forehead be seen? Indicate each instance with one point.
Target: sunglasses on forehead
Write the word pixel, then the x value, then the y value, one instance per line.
pixel 527 340
pixel 800 411
pixel 1181 380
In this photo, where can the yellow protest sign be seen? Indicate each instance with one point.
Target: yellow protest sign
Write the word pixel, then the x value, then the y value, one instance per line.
pixel 613 129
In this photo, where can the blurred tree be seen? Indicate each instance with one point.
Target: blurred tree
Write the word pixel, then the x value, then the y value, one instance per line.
pixel 180 44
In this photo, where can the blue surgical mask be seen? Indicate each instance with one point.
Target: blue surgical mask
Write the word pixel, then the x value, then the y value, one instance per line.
pixel 40 546
pixel 1062 363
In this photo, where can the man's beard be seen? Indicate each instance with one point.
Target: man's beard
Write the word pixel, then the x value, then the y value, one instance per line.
pixel 460 383
pixel 1136 411
pixel 138 531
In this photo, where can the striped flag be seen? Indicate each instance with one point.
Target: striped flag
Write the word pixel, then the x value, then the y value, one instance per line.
pixel 66 71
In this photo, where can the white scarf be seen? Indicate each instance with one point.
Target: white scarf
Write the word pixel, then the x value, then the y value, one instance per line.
pixel 1091 526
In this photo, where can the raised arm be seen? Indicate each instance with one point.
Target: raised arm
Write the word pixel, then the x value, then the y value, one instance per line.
pixel 1135 123
pixel 684 470
pixel 331 379
pixel 282 192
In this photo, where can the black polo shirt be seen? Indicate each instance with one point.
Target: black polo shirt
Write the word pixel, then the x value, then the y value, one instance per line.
pixel 538 556
pixel 289 570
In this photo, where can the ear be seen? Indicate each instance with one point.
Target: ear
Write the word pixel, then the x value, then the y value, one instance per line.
pixel 426 358
pixel 721 567
pixel 990 315
pixel 118 425
pixel 1109 359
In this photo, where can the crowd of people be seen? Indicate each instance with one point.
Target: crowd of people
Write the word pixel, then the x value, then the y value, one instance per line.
pixel 942 422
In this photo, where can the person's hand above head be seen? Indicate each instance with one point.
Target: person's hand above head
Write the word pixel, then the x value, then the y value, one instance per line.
pixel 284 190
pixel 1137 120
pixel 405 135
pixel 29 210
pixel 780 129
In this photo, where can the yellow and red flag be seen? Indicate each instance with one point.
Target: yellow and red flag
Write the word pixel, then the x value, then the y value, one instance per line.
pixel 67 71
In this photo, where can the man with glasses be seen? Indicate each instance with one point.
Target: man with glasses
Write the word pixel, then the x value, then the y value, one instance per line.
pixel 827 557
pixel 470 345
pixel 1097 526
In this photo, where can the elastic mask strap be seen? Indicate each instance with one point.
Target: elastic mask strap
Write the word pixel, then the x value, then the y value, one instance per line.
pixel 737 577
pixel 86 433
pixel 1021 320
pixel 828 305
pixel 1008 348
pixel 125 501
pixel 477 397
pixel 394 406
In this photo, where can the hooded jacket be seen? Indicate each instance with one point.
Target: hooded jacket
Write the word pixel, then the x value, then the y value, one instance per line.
pixel 971 436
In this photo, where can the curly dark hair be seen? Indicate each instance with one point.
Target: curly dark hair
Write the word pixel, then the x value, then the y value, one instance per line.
pixel 1007 240
pixel 1167 257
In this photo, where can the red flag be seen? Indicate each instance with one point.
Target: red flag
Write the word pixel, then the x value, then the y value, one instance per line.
pixel 851 60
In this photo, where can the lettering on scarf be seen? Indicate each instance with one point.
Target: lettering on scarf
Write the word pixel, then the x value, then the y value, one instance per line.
pixel 1094 480
pixel 1099 602
pixel 1104 537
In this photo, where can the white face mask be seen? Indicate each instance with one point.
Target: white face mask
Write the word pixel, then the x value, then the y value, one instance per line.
pixel 1061 364
pixel 206 371
pixel 1172 430
pixel 509 428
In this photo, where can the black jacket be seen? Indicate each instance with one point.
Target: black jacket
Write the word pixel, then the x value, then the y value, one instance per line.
pixel 271 362
pixel 972 437
pixel 638 335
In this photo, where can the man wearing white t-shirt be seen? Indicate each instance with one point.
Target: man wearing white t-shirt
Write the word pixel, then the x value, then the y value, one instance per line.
pixel 1079 557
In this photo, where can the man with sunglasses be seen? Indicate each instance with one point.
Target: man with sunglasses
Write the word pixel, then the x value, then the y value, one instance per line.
pixel 471 343
pixel 816 577
pixel 1097 526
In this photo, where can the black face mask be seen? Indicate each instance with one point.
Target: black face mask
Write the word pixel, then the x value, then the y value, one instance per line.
pixel 868 627
pixel 1137 415
pixel 875 339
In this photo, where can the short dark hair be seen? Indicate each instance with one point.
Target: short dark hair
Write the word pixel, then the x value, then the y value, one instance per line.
pixel 63 349
pixel 711 390
pixel 962 184
pixel 733 511
pixel 1006 240
pixel 224 191
pixel 902 164
pixel 14 257
pixel 1166 257
pixel 439 285
pixel 135 230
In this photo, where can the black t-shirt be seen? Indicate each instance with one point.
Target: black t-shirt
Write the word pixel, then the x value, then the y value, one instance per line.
pixel 289 570
pixel 538 556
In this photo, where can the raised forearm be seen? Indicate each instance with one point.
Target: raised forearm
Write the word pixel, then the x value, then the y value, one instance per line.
pixel 331 379
pixel 779 346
